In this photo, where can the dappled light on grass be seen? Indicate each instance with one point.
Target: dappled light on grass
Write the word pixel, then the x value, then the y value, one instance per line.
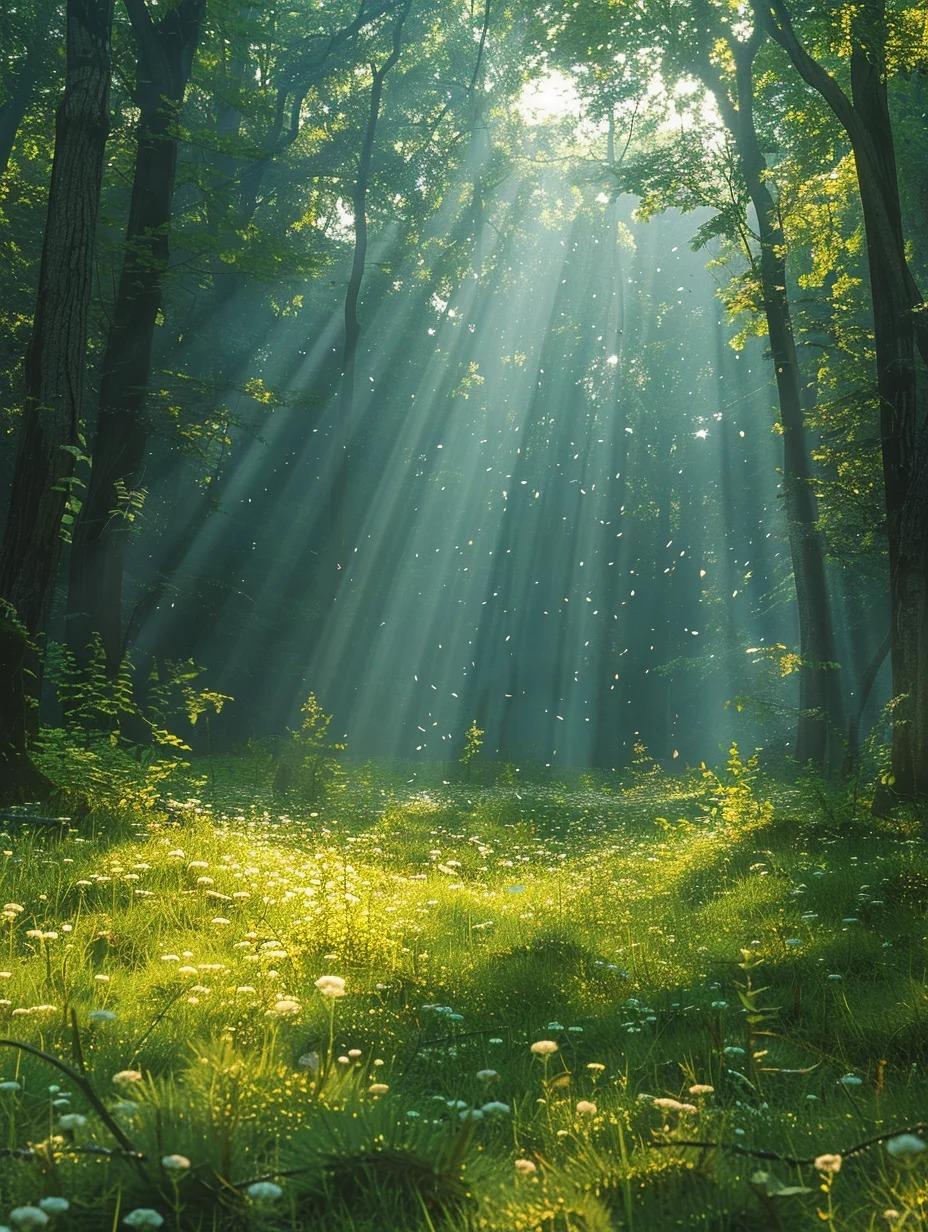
pixel 489 1004
pixel 436 432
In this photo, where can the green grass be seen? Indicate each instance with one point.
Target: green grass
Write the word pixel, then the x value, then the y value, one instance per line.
pixel 629 923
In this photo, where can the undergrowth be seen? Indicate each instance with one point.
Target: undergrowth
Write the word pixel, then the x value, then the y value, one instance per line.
pixel 422 1003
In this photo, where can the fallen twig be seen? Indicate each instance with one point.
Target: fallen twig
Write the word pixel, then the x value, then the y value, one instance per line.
pixel 81 1081
pixel 798 1161
pixel 28 1154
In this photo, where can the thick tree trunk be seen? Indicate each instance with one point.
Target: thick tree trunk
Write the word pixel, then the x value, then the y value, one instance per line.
pixel 95 599
pixel 54 369
pixel 821 723
pixel 820 726
pixel 902 432
pixel 607 735
pixel 900 331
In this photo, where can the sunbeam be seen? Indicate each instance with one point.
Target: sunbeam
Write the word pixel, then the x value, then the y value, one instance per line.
pixel 463 615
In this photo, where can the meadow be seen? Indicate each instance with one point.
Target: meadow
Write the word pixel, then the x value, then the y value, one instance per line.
pixel 444 1002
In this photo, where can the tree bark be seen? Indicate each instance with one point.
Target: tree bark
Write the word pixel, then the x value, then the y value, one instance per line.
pixel 54 374
pixel 345 427
pixel 902 433
pixel 165 51
pixel 820 726
pixel 900 333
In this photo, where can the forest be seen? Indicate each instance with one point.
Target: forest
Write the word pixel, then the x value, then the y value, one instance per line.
pixel 464 615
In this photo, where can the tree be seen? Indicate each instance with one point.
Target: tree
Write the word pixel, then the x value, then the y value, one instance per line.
pixel 900 332
pixel 165 47
pixel 821 714
pixel 49 438
pixel 699 40
pixel 346 426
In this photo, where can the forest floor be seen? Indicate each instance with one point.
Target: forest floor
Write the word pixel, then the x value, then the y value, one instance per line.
pixel 550 988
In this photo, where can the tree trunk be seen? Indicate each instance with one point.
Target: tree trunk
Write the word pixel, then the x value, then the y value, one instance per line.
pixel 95 599
pixel 900 331
pixel 902 433
pixel 54 372
pixel 820 727
pixel 359 255
pixel 821 723
pixel 345 427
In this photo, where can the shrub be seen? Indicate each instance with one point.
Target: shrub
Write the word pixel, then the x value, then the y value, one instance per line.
pixel 309 763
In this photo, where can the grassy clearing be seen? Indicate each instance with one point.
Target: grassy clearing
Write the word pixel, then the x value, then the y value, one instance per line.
pixel 169 957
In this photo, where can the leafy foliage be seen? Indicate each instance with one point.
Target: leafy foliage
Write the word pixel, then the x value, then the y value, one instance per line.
pixel 473 743
pixel 309 762
pixel 733 802
pixel 177 955
pixel 118 744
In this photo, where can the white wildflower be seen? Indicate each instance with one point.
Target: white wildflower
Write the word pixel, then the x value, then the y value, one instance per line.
pixel 126 1077
pixel 264 1191
pixel 143 1217
pixel 285 1006
pixel 54 1206
pixel 26 1217
pixel 829 1164
pixel 906 1146
pixel 544 1048
pixel 175 1163
pixel 331 985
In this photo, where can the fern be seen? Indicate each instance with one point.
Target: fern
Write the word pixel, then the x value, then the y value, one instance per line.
pixel 103 713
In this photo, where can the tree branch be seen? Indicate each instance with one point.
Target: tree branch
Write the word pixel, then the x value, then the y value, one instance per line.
pixel 776 19
pixel 732 1148
pixel 480 47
